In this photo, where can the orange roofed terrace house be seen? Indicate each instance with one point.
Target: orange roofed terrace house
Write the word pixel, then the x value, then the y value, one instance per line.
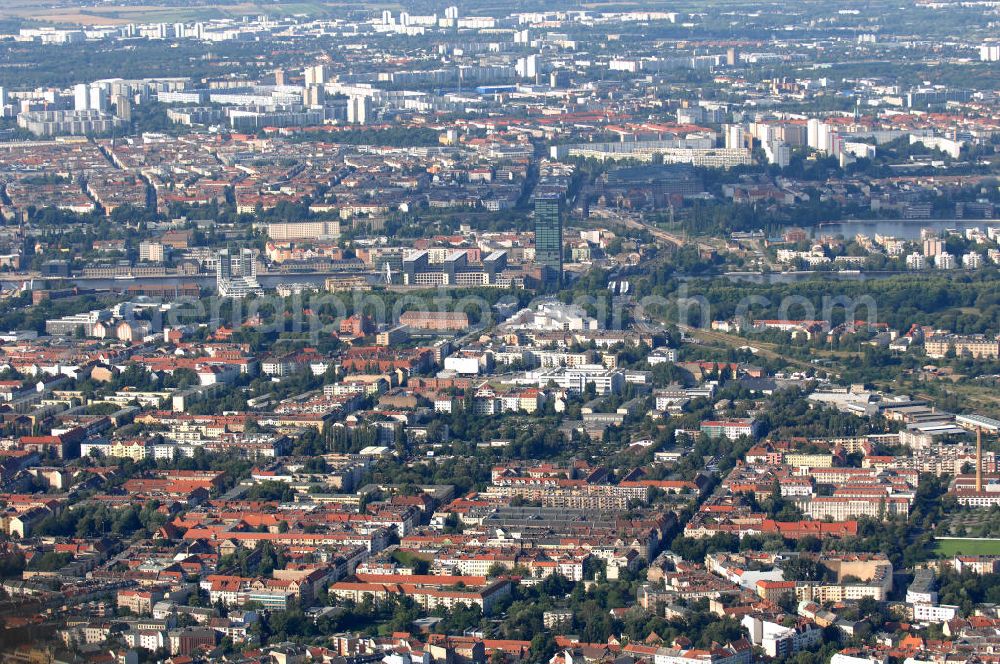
pixel 429 591
pixel 738 652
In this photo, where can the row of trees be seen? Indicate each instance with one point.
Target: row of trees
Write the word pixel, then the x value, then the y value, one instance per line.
pixel 90 521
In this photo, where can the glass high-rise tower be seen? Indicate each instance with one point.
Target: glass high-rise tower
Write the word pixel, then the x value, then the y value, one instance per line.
pixel 236 273
pixel 548 237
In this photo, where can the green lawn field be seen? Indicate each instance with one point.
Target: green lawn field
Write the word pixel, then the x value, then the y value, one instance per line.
pixel 950 547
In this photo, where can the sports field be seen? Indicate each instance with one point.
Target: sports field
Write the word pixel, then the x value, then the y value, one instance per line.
pixel 950 547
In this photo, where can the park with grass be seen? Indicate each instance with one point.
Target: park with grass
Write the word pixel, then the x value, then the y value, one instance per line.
pixel 948 547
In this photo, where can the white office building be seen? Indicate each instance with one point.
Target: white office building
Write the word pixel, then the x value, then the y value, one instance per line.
pixel 778 153
pixel 916 261
pixel 359 109
pixel 527 67
pixel 575 379
pixel 735 136
pixel 934 613
pixel 236 273
pixel 972 261
pixel 100 99
pixel 81 97
pixel 945 261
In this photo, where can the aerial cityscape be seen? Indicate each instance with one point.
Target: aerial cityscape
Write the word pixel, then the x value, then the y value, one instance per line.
pixel 500 332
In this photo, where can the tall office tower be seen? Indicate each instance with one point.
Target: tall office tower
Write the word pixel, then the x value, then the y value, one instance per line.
pixel 825 138
pixel 548 237
pixel 778 152
pixel 732 57
pixel 836 144
pixel 236 273
pixel 152 252
pixel 279 77
pixel 81 97
pixel 451 12
pixel 3 96
pixel 99 98
pixel 121 88
pixel 933 246
pixel 314 95
pixel 315 75
pixel 735 136
pixel 123 107
pixel 812 133
pixel 359 109
pixel 527 67
pixel 386 17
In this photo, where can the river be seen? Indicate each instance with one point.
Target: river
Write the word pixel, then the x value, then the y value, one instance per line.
pixel 904 229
